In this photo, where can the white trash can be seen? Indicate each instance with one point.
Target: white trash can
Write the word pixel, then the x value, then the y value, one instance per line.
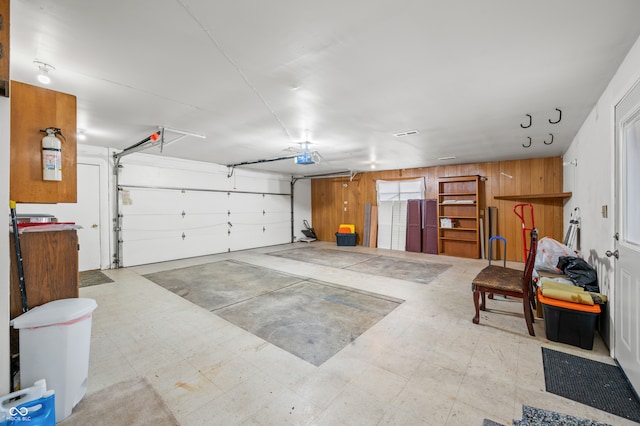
pixel 54 345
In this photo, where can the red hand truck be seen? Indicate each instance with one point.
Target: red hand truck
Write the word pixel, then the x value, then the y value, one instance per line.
pixel 519 210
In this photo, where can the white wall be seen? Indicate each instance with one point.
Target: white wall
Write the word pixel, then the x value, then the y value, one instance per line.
pixel 592 180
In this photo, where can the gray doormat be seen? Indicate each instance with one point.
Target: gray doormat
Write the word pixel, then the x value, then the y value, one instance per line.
pixel 537 416
pixel 386 266
pixel 88 278
pixel 310 319
pixel 596 384
pixel 532 416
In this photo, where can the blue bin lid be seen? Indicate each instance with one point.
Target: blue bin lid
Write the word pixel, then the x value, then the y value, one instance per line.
pixel 56 312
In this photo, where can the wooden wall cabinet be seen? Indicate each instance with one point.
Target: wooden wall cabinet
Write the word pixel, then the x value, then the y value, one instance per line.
pixel 50 264
pixel 4 47
pixel 459 200
pixel 33 109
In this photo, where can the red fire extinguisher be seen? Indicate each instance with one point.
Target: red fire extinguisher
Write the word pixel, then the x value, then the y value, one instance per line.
pixel 52 154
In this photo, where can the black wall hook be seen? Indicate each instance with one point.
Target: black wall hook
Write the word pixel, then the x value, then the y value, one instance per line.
pixel 527 146
pixel 545 142
pixel 530 122
pixel 559 117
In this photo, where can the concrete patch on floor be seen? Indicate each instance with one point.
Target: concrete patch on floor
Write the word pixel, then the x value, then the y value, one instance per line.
pixel 402 269
pixel 308 318
pixel 327 257
pixel 218 284
pixel 386 266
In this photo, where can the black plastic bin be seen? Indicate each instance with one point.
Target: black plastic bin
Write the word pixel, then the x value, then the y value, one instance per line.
pixel 569 326
pixel 346 239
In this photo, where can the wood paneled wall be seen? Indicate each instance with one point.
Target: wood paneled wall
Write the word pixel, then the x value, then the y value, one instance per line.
pixel 341 200
pixel 33 109
pixel 4 47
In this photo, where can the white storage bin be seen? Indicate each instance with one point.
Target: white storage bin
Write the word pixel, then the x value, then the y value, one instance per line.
pixel 54 345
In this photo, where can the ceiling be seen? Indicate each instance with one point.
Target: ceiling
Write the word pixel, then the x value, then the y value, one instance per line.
pixel 258 77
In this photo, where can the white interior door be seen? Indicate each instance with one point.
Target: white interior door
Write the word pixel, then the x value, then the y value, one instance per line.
pixel 88 216
pixel 392 199
pixel 627 270
pixel 399 225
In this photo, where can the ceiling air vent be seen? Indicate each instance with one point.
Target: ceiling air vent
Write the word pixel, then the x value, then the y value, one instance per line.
pixel 405 133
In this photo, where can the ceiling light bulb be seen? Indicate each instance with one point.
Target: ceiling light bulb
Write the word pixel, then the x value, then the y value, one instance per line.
pixel 43 74
pixel 44 78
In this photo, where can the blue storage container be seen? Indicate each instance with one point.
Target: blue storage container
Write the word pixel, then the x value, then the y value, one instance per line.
pixel 33 406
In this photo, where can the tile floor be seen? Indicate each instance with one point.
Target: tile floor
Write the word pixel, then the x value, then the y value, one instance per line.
pixel 424 363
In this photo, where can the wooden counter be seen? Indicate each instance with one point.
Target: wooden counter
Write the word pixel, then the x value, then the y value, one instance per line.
pixel 50 263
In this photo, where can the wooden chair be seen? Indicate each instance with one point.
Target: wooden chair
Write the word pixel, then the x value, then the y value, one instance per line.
pixel 508 282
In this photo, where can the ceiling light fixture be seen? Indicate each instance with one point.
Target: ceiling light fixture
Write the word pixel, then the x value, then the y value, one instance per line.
pixel 405 133
pixel 43 75
pixel 451 157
